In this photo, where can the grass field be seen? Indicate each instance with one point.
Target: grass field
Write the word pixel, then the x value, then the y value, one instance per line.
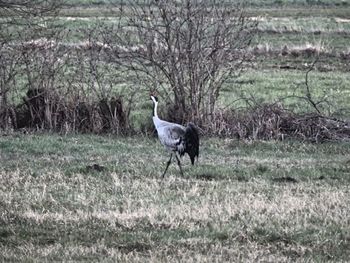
pixel 98 197
pixel 101 198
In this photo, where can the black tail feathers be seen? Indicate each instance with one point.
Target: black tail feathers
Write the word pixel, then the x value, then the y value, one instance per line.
pixel 191 139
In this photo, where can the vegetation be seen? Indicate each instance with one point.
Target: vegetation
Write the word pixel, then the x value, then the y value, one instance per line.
pixel 66 196
pixel 93 197
pixel 85 57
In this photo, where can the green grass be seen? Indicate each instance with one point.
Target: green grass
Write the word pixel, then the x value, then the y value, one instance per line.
pixel 273 11
pixel 255 3
pixel 243 201
pixel 328 33
pixel 274 85
pixel 304 24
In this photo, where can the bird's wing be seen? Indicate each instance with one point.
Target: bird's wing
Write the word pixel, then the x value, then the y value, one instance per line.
pixel 171 136
pixel 176 131
pixel 191 141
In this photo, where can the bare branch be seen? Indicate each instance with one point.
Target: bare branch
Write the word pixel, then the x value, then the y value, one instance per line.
pixel 308 92
pixel 192 46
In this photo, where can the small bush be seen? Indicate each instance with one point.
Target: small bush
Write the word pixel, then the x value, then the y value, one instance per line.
pixel 42 109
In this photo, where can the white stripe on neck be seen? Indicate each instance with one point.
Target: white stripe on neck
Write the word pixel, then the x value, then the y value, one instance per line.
pixel 155 109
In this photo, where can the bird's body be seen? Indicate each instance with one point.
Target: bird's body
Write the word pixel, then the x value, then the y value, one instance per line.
pixel 170 134
pixel 176 138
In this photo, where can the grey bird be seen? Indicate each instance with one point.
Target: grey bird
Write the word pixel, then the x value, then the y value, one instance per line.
pixel 176 138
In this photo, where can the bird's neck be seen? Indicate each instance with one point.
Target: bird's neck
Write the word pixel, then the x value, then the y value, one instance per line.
pixel 155 114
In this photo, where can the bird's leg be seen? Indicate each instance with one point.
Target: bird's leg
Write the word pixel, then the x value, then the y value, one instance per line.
pixel 179 164
pixel 167 165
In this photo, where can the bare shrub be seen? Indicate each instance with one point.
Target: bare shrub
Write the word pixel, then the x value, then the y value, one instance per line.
pixel 113 115
pixel 47 84
pixel 46 110
pixel 272 121
pixel 184 49
pixel 9 69
pixel 62 88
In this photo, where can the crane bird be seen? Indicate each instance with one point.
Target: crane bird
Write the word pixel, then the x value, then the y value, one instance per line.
pixel 176 138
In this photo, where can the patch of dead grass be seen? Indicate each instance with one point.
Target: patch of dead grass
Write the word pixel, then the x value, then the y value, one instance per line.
pixel 135 216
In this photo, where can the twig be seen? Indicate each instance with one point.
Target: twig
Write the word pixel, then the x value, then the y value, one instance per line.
pixel 308 93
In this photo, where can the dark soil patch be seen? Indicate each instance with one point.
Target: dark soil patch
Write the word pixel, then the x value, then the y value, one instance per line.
pixel 95 168
pixel 285 179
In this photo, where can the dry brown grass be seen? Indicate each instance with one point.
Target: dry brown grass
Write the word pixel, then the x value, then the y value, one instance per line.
pixel 272 121
pixel 228 208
